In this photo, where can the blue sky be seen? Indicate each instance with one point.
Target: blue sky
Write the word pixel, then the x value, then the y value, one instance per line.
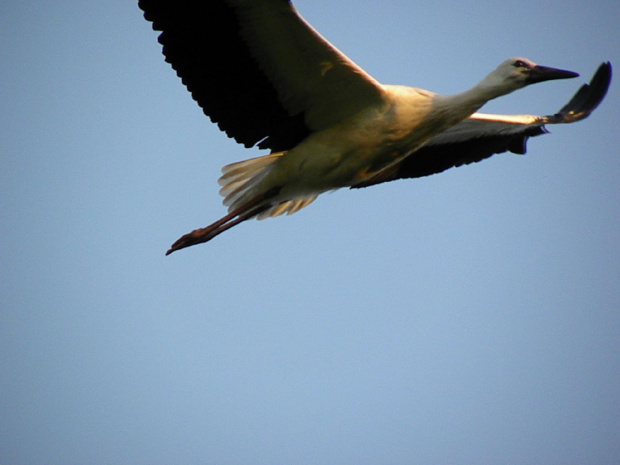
pixel 470 317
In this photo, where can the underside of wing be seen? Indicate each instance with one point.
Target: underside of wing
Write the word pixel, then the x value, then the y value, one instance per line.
pixel 483 135
pixel 258 69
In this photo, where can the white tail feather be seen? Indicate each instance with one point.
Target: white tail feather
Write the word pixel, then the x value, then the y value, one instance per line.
pixel 240 179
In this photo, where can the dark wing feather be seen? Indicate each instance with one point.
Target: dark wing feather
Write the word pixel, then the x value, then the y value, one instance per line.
pixel 258 69
pixel 201 42
pixel 474 139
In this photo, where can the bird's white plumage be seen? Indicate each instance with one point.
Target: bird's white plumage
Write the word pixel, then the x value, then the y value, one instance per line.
pixel 329 124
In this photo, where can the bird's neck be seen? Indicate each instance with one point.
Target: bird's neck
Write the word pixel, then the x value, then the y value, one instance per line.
pixel 459 106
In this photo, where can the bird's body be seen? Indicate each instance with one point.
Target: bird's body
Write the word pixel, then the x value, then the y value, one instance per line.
pixel 353 150
pixel 362 146
pixel 328 124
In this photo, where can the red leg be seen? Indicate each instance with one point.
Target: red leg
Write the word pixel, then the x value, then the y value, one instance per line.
pixel 238 215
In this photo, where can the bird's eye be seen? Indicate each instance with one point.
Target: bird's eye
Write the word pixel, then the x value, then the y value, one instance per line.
pixel 520 64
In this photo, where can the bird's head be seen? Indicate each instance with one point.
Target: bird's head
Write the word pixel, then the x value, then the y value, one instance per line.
pixel 516 73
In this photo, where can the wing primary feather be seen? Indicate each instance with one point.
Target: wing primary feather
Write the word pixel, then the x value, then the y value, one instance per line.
pixel 201 41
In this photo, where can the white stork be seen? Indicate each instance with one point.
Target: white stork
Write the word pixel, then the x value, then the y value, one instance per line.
pixel 267 78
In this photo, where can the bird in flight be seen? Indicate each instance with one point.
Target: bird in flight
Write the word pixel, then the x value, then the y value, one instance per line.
pixel 268 79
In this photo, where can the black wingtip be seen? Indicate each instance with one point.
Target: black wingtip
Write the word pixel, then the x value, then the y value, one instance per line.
pixel 589 96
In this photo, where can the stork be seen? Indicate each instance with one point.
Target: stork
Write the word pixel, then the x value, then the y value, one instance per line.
pixel 268 79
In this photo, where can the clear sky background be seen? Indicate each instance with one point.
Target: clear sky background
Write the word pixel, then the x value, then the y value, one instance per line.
pixel 471 317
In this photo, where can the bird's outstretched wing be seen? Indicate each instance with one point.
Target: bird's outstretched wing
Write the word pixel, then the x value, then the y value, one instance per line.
pixel 258 69
pixel 483 135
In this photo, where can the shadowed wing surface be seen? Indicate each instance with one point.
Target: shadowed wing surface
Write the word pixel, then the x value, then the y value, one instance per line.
pixel 258 69
pixel 483 135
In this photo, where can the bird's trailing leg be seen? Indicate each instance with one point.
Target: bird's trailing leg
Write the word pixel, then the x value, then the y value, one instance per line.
pixel 244 212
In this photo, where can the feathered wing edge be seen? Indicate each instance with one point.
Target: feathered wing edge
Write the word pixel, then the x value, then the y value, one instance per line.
pixel 258 69
pixel 483 135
